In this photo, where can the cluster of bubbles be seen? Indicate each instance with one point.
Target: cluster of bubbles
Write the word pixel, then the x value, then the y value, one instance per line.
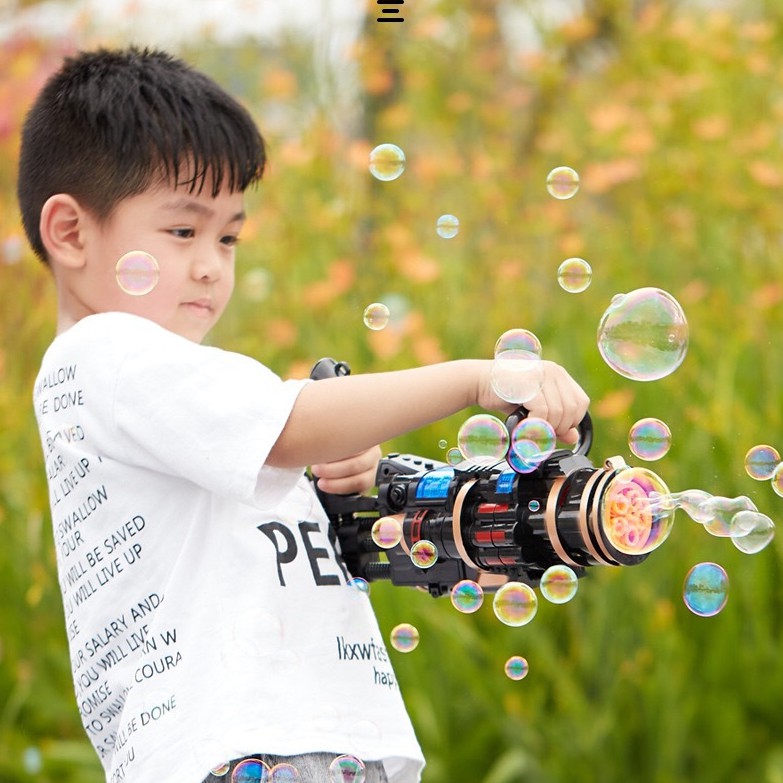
pixel 137 273
pixel 649 439
pixel 343 769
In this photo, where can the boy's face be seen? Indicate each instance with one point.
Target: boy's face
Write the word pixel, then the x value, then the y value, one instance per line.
pixel 192 236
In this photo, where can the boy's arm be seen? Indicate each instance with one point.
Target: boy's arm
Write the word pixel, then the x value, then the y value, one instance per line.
pixel 339 417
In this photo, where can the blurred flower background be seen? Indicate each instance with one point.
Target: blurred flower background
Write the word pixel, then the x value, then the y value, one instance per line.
pixel 670 111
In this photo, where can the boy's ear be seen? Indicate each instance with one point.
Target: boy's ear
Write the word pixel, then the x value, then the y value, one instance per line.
pixel 63 226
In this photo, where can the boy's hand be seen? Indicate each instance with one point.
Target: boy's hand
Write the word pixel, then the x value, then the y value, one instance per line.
pixel 354 474
pixel 561 401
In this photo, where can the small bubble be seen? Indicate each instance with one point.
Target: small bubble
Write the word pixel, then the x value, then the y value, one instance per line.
pixel 467 596
pixel 386 532
pixel 751 531
pixel 250 771
pixel 387 162
pixel 574 275
pixel 643 335
pixel 483 437
pixel 515 604
pixel 404 637
pixel 376 316
pixel 424 554
pixel 516 668
pixel 359 584
pixel 442 444
pixel 447 226
pixel 532 441
pixel 454 456
pixel 347 769
pixel 137 273
pixel 559 584
pixel 706 589
pixel 761 461
pixel 562 182
pixel 32 761
pixel 649 439
pixel 284 773
pixel 534 505
pixel 220 769
pixel 255 284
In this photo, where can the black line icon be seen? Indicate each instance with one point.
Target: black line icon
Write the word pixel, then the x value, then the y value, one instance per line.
pixel 390 11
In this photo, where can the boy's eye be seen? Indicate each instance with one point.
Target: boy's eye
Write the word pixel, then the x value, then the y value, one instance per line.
pixel 230 241
pixel 182 233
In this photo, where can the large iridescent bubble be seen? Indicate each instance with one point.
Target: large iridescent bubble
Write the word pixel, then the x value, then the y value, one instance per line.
pixel 706 589
pixel 643 335
pixel 483 438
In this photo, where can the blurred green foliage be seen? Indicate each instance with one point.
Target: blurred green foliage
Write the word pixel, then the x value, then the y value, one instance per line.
pixel 672 115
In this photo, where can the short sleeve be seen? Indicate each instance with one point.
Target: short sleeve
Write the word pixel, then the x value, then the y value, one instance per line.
pixel 204 414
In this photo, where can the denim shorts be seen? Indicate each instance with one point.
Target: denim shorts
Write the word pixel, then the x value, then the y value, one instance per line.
pixel 312 768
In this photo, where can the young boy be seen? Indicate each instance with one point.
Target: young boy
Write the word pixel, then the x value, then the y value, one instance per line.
pixel 206 607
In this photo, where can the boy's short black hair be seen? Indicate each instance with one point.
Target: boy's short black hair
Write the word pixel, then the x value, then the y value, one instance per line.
pixel 110 122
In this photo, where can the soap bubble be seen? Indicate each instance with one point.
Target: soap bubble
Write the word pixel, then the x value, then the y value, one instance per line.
pixel 404 637
pixel 387 162
pixel 467 596
pixel 515 604
pixel 761 461
pixel 454 456
pixel 706 589
pixel 690 501
pixel 359 584
pixel 483 438
pixel 347 769
pixel 220 769
pixel 532 441
pixel 376 316
pixel 518 340
pixel 649 439
pixel 516 668
pixel 284 773
pixel 517 372
pixel 777 480
pixel 574 275
pixel 516 376
pixel 720 511
pixel 137 273
pixel 643 335
pixel 386 532
pixel 635 513
pixel 751 531
pixel 562 182
pixel 424 554
pixel 559 584
pixel 250 771
pixel 447 226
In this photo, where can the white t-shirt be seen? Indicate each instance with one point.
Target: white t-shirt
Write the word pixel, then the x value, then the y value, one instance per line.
pixel 208 614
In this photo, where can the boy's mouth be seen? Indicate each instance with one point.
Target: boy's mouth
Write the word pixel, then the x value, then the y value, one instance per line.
pixel 202 307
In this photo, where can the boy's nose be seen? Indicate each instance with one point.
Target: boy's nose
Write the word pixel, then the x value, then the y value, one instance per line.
pixel 207 266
